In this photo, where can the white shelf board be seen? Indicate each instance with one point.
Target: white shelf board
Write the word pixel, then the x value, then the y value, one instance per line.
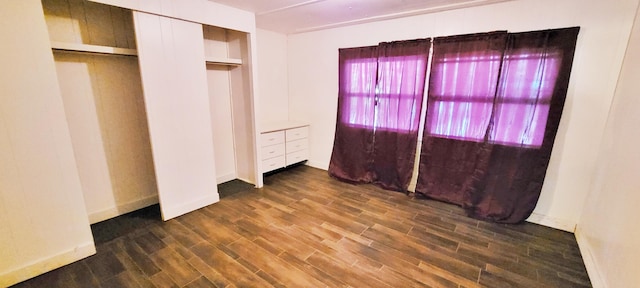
pixel 78 47
pixel 223 61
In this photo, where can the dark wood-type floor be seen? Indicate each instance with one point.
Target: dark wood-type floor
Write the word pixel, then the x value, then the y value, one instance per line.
pixel 304 229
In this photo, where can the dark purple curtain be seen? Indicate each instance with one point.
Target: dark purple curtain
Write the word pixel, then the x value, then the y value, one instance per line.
pixel 379 106
pixel 402 68
pixel 353 143
pixel 500 176
pixel 464 77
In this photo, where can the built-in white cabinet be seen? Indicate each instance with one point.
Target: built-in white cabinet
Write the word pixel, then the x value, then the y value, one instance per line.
pixel 297 146
pixel 283 144
pixel 272 150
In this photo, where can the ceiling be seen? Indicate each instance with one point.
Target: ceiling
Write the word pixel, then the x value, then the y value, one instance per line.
pixel 296 16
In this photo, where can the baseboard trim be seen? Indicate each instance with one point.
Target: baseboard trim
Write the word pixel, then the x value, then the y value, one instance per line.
pixel 226 177
pixel 590 263
pixel 121 209
pixel 47 264
pixel 557 223
pixel 190 206
pixel 245 180
pixel 318 165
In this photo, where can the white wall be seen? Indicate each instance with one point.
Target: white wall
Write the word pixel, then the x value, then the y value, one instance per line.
pixel 608 231
pixel 43 222
pixel 313 85
pixel 272 68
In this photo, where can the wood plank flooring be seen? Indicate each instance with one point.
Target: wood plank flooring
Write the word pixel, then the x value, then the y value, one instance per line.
pixel 305 229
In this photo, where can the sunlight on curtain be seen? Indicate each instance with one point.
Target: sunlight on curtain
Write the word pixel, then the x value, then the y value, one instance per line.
pixel 362 79
pixel 399 92
pixel 522 104
pixel 462 90
pixel 394 92
pixel 509 96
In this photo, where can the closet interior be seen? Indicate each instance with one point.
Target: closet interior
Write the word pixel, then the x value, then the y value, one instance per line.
pixel 95 56
pixel 228 81
pixel 101 81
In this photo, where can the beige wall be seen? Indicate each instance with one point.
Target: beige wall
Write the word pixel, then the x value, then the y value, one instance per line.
pixel 104 105
pixel 272 57
pixel 313 66
pixel 608 231
pixel 43 222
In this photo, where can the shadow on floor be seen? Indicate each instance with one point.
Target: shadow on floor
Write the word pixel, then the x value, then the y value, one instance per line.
pixel 110 229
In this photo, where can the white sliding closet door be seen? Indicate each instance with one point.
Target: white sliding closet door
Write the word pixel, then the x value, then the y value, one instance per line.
pixel 43 221
pixel 172 65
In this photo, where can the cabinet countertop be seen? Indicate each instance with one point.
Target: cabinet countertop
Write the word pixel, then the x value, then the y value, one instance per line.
pixel 283 125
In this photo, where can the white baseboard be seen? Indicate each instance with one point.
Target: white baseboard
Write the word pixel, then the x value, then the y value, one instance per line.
pixel 246 180
pixel 185 208
pixel 46 264
pixel 226 177
pixel 321 166
pixel 124 208
pixel 596 278
pixel 560 224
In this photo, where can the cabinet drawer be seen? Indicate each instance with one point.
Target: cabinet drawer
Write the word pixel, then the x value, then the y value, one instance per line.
pixel 272 151
pixel 297 133
pixel 272 138
pixel 273 163
pixel 297 156
pixel 297 145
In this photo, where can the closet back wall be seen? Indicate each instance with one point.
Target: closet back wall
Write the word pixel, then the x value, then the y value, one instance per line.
pixel 104 104
pixel 219 84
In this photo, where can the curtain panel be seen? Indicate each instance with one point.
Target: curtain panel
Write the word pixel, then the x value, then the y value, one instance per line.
pixel 353 143
pixel 462 87
pixel 402 68
pixel 379 107
pixel 487 146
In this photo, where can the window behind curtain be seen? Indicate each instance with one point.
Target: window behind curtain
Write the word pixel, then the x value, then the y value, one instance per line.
pixel 462 85
pixel 392 94
pixel 399 92
pixel 527 82
pixel 475 90
pixel 359 85
pixel 381 89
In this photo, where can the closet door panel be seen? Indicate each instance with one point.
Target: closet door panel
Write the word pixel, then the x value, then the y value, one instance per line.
pixel 43 221
pixel 171 57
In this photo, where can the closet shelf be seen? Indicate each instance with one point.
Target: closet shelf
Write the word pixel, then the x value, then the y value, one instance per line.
pixel 93 48
pixel 223 61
